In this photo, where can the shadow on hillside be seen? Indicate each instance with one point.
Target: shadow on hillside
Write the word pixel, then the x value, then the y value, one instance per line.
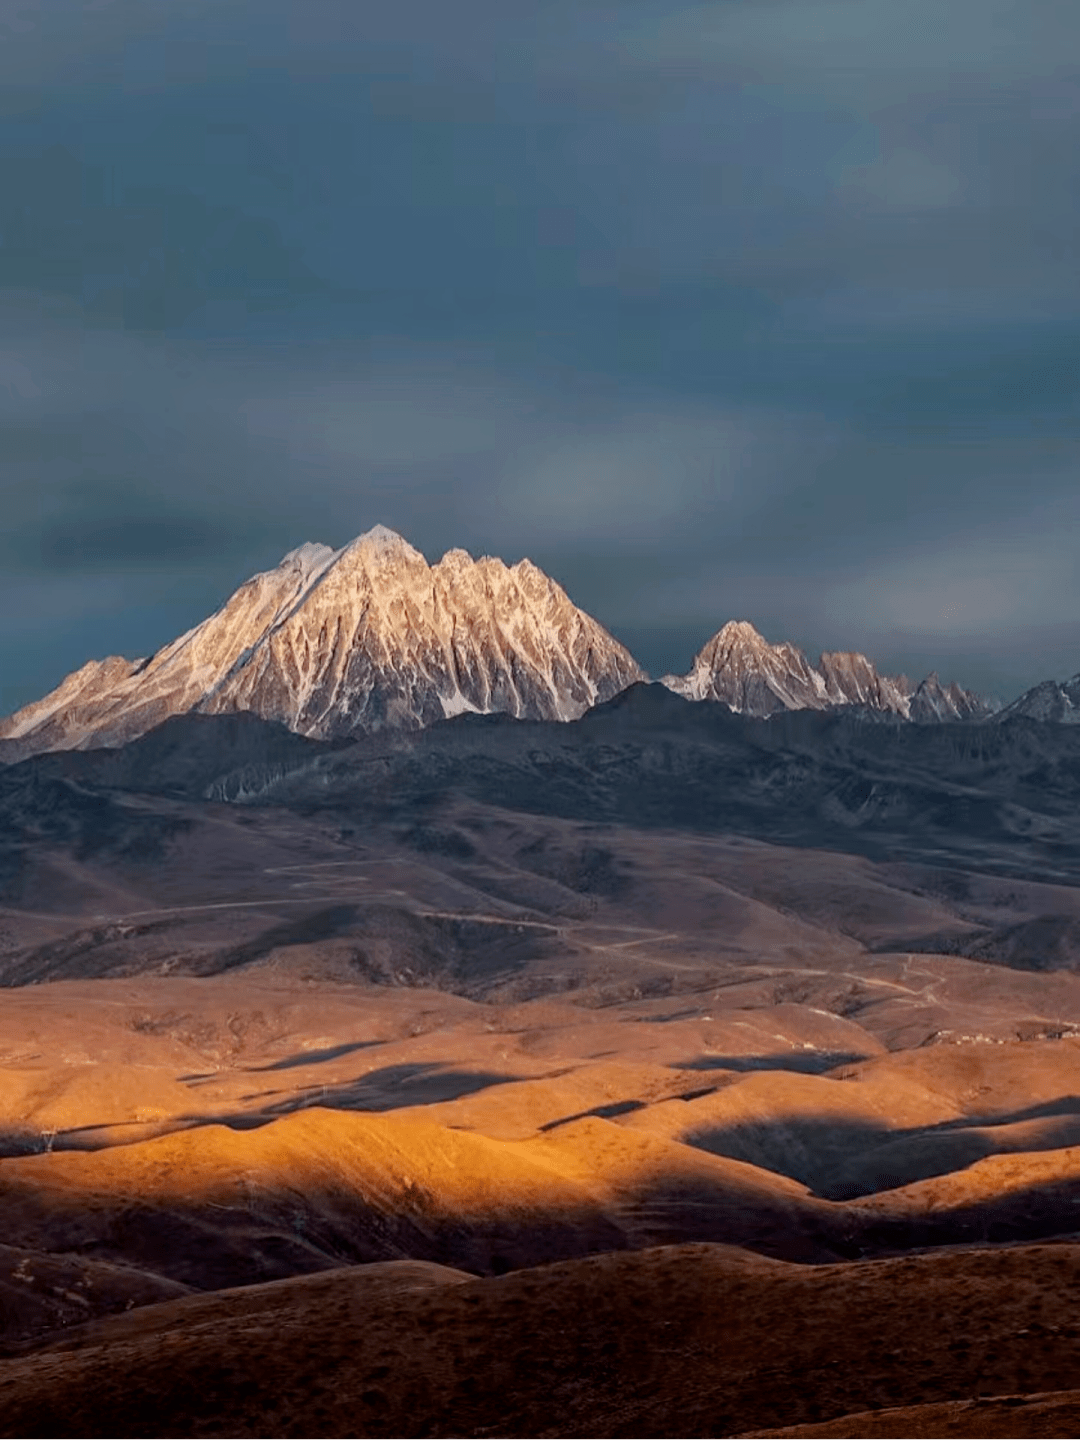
pixel 402 947
pixel 394 1087
pixel 802 1062
pixel 1043 943
pixel 314 1057
pixel 602 1112
pixel 842 1158
pixel 17 1140
pixel 311 1204
pixel 1045 1109
pixel 325 924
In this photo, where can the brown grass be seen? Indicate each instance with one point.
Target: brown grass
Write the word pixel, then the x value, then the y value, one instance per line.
pixel 691 1340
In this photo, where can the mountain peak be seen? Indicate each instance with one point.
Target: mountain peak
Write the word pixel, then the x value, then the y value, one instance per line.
pixel 528 570
pixel 1053 700
pixel 456 559
pixel 739 631
pixel 383 544
pixel 740 668
pixel 384 537
pixel 338 642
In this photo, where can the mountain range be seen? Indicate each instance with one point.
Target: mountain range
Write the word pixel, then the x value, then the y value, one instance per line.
pixel 339 643
pixel 739 668
pixel 340 982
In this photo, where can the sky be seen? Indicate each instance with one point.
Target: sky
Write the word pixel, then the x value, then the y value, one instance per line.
pixel 754 309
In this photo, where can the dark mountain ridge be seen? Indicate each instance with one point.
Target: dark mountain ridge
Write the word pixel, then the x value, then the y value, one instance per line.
pixel 1005 796
pixel 1057 702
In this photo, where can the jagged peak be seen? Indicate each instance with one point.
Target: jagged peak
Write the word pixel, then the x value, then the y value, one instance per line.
pixel 741 630
pixel 734 635
pixel 1050 700
pixel 382 543
pixel 933 684
pixel 538 583
pixel 526 567
pixel 111 664
pixel 307 556
pixel 382 535
pixel 456 559
pixel 492 565
pixel 739 666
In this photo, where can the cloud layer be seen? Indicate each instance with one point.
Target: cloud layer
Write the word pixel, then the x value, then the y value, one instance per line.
pixel 763 308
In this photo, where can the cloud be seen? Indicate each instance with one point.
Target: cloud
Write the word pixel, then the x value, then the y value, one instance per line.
pixel 656 472
pixel 16 379
pixel 127 541
pixel 782 141
pixel 418 48
pixel 866 53
pixel 901 180
pixel 170 470
pixel 974 588
pixel 394 411
pixel 64 41
pixel 122 453
pixel 761 307
pixel 149 259
pixel 775 148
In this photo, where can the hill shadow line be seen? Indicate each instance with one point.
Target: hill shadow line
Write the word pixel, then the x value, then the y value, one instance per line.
pixel 802 1062
pixel 314 1057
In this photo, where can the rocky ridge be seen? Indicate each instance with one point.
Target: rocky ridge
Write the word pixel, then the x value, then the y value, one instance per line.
pixel 1053 701
pixel 741 669
pixel 339 642
pixel 334 644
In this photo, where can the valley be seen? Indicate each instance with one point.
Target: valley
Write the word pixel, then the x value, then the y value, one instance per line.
pixel 364 1042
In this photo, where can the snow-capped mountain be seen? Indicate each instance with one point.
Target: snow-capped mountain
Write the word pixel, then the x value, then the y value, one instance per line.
pixel 931 700
pixel 740 668
pixel 335 642
pixel 1052 700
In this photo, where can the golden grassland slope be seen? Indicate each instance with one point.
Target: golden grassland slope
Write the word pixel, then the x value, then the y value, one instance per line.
pixel 238 1130
pixel 888 1121
pixel 212 1205
pixel 506 1041
pixel 687 1340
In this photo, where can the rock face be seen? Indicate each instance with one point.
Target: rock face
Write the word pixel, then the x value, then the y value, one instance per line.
pixel 339 642
pixel 740 668
pixel 932 700
pixel 1048 701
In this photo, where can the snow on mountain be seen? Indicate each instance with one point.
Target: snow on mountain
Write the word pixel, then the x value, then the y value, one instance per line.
pixel 739 667
pixel 1052 700
pixel 931 701
pixel 334 642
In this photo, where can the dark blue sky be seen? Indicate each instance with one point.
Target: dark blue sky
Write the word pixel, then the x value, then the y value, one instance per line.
pixel 760 309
